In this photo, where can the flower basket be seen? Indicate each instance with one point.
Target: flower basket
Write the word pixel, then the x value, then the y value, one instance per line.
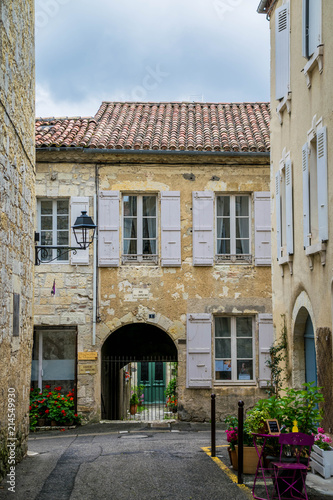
pixel 322 461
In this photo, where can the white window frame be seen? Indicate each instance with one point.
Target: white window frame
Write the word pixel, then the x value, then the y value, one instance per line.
pixel 233 257
pixel 139 257
pixel 54 229
pixel 234 380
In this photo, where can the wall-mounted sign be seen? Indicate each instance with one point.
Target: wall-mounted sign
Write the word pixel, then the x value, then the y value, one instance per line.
pixel 140 293
pixel 91 369
pixel 89 356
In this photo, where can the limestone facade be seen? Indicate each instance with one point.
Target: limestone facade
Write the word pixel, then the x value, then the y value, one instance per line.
pixel 17 195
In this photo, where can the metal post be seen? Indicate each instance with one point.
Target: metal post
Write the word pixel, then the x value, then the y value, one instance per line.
pixel 240 440
pixel 213 426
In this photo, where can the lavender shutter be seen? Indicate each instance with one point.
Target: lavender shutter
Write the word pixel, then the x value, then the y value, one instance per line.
pixel 170 229
pixel 289 208
pixel 282 50
pixel 78 204
pixel 262 238
pixel 306 196
pixel 278 214
pixel 266 338
pixel 322 183
pixel 108 229
pixel 203 237
pixel 199 351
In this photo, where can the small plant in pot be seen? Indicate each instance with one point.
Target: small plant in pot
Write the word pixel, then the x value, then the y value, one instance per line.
pixel 134 401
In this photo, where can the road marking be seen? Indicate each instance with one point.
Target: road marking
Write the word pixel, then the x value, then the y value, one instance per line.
pixel 227 471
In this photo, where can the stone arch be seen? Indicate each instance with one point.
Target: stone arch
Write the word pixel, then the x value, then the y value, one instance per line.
pixel 301 311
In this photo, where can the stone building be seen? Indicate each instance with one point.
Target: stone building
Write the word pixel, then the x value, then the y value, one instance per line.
pixel 302 188
pixel 181 268
pixel 17 201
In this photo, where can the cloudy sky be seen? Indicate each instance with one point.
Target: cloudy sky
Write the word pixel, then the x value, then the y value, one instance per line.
pixel 148 50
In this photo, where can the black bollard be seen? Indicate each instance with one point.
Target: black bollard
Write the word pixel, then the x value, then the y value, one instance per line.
pixel 240 440
pixel 213 426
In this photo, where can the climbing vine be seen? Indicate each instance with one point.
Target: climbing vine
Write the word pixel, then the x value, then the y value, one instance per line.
pixel 278 353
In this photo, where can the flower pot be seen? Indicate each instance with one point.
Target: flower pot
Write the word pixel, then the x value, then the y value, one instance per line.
pixel 54 423
pixel 250 459
pixel 233 458
pixel 41 422
pixel 322 461
pixel 133 409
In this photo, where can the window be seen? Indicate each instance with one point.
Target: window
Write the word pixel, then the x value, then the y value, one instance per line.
pixel 54 228
pixel 284 210
pixel 311 26
pixel 233 228
pixel 139 228
pixel 234 348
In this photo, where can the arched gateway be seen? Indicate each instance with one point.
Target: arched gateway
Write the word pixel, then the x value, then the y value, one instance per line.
pixel 137 357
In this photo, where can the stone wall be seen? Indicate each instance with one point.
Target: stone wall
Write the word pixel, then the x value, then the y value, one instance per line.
pixel 17 195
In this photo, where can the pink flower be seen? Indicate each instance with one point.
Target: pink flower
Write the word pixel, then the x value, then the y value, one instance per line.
pixel 320 430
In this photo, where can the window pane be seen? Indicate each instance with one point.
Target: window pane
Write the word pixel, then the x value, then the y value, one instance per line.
pixel 223 228
pixel 46 222
pixel 223 246
pixel 62 206
pixel 223 369
pixel 62 222
pixel 46 254
pixel 222 327
pixel 149 206
pixel 149 228
pixel 46 207
pixel 130 227
pixel 61 255
pixel 242 205
pixel 130 205
pixel 242 228
pixel 244 370
pixel 130 247
pixel 46 238
pixel 144 371
pixel 223 205
pixel 223 348
pixel 62 238
pixel 244 326
pixel 244 348
pixel 242 247
pixel 149 247
pixel 158 370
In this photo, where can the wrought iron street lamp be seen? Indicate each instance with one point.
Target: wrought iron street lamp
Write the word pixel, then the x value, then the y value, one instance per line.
pixel 81 228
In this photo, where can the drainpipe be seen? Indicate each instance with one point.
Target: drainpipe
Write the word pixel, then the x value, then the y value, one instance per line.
pixel 95 262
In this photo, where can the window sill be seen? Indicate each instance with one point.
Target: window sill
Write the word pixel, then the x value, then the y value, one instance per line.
pixel 284 104
pixel 288 259
pixel 316 58
pixel 145 260
pixel 233 259
pixel 236 383
pixel 312 250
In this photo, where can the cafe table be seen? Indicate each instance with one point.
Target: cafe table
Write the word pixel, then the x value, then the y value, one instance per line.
pixel 262 473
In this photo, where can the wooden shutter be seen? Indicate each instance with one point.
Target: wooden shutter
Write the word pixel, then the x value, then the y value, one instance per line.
pixel 306 196
pixel 278 214
pixel 305 28
pixel 262 240
pixel 322 183
pixel 78 205
pixel 266 338
pixel 203 237
pixel 314 29
pixel 282 51
pixel 108 228
pixel 199 351
pixel 289 208
pixel 170 229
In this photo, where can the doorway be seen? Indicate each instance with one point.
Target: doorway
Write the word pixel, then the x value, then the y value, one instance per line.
pixel 310 353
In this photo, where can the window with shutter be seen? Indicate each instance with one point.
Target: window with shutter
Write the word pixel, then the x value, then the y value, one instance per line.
pixel 322 195
pixel 262 216
pixel 266 338
pixel 289 208
pixel 78 205
pixel 199 355
pixel 278 215
pixel 54 228
pixel 282 52
pixel 202 231
pixel 108 228
pixel 170 229
pixel 311 26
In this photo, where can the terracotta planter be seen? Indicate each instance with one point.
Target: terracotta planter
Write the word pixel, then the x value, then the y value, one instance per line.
pixel 133 409
pixel 250 459
pixel 233 458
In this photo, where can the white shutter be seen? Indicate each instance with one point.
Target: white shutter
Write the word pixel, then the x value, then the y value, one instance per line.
pixel 199 351
pixel 306 196
pixel 108 228
pixel 78 205
pixel 314 25
pixel 266 338
pixel 322 183
pixel 278 214
pixel 262 240
pixel 282 51
pixel 170 229
pixel 289 208
pixel 203 219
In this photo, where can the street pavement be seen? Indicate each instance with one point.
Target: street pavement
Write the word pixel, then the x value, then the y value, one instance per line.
pixel 128 461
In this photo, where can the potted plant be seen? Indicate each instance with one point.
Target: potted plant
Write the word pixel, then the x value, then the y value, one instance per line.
pixel 232 438
pixel 134 401
pixel 322 454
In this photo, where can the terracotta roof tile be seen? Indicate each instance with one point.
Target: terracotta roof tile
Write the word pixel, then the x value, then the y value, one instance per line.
pixel 162 126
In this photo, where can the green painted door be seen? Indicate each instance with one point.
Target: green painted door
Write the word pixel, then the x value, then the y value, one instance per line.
pixel 151 374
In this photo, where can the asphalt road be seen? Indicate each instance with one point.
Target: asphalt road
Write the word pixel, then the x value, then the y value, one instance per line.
pixel 101 462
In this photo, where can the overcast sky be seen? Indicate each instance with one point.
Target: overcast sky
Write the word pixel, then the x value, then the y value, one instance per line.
pixel 88 51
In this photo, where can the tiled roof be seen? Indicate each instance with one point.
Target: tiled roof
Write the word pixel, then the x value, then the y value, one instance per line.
pixel 169 126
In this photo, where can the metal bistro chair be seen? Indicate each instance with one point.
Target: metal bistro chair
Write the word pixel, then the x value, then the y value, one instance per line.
pixel 289 473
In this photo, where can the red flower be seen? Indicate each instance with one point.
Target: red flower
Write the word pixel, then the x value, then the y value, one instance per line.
pixel 47 411
pixel 47 387
pixel 63 411
pixel 75 414
pixel 62 430
pixel 31 389
pixel 71 399
pixel 57 388
pixel 29 407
